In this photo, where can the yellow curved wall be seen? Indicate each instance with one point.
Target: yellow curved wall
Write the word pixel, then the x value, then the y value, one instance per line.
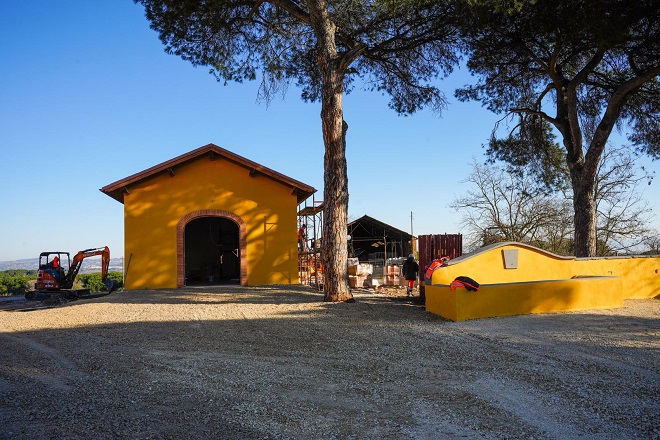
pixel 486 266
pixel 540 283
pixel 523 298
pixel 154 207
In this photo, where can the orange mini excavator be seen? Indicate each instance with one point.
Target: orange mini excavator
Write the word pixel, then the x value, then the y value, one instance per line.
pixel 53 277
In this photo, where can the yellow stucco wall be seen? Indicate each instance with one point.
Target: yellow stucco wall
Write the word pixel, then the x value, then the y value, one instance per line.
pixel 508 299
pixel 154 207
pixel 541 282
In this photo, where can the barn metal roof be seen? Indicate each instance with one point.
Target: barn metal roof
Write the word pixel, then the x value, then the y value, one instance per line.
pixel 371 223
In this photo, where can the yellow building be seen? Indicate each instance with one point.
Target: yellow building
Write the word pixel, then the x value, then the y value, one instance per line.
pixel 208 217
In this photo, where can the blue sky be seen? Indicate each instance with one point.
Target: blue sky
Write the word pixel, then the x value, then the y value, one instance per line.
pixel 88 96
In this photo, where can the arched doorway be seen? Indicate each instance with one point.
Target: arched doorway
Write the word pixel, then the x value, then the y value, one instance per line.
pixel 211 249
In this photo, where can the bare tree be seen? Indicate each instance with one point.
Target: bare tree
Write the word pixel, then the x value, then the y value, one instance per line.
pixel 623 216
pixel 507 206
pixel 652 245
pixel 512 205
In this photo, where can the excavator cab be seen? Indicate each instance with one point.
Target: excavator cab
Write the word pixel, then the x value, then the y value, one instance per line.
pixel 53 267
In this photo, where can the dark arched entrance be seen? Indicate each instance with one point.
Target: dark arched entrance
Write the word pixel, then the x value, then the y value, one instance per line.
pixel 212 251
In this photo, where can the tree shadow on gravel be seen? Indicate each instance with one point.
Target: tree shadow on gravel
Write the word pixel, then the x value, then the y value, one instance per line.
pixel 303 373
pixel 270 294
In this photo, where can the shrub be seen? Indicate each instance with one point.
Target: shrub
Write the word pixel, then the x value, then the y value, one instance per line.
pixel 16 285
pixel 92 281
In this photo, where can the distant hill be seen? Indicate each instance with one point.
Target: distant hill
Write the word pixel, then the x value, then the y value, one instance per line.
pixel 89 265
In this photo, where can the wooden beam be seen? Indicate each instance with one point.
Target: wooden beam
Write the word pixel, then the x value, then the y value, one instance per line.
pixel 212 155
pixel 126 191
pixel 170 171
pixel 253 172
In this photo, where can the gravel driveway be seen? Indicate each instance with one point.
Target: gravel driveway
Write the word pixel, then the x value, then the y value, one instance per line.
pixel 277 362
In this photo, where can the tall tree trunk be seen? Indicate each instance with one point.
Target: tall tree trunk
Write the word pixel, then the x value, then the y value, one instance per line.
pixel 584 203
pixel 582 171
pixel 584 208
pixel 335 177
pixel 583 168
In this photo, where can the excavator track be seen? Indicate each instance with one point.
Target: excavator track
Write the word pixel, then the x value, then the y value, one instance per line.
pixel 46 300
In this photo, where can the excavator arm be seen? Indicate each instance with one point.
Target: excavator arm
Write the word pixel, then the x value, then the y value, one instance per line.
pixel 76 263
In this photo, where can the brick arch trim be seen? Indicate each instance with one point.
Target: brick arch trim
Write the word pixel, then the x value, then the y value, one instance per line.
pixel 180 249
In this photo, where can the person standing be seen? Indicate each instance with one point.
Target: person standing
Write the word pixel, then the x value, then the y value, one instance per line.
pixel 302 238
pixel 410 269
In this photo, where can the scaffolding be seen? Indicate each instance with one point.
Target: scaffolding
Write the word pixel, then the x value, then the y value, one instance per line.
pixel 369 241
pixel 310 269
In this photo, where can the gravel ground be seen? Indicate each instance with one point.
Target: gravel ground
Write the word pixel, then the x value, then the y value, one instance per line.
pixel 276 362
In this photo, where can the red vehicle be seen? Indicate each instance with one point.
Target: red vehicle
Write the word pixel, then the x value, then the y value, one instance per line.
pixel 53 277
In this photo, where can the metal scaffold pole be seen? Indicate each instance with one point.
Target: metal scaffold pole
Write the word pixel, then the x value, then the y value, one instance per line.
pixel 310 270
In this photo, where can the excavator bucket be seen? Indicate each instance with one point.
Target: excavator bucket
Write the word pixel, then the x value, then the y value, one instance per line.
pixel 111 285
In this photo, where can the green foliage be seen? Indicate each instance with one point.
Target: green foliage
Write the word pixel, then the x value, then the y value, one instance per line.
pixel 92 281
pixel 582 68
pixel 533 151
pixel 19 282
pixel 18 273
pixel 16 285
pixel 396 47
pixel 582 52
